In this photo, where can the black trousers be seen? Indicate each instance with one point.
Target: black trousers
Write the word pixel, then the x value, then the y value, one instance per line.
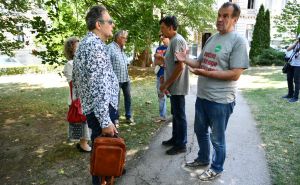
pixel 293 81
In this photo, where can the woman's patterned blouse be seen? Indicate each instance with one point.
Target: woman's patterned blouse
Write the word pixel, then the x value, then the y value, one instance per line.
pixel 94 81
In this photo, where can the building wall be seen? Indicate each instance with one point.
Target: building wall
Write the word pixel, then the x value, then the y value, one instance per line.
pixel 27 37
pixel 247 20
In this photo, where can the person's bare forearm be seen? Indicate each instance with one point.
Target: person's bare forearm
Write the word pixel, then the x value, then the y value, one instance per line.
pixel 192 63
pixel 232 75
pixel 158 62
pixel 158 59
pixel 292 46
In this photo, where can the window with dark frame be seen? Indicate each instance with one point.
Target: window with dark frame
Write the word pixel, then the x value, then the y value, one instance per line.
pixel 21 36
pixel 250 4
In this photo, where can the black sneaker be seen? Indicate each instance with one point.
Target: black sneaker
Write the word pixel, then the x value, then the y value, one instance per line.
pixel 293 100
pixel 176 150
pixel 286 96
pixel 130 121
pixel 169 142
pixel 195 163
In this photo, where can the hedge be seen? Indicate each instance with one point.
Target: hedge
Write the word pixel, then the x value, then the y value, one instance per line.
pixel 29 69
pixel 269 57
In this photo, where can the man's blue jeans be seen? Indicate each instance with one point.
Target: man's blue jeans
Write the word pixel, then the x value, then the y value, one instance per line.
pixel 215 116
pixel 125 86
pixel 161 99
pixel 179 130
pixel 113 114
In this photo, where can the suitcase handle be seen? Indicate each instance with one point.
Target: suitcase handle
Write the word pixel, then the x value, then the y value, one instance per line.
pixel 114 136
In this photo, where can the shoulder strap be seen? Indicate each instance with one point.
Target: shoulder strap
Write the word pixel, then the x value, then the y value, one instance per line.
pixel 71 87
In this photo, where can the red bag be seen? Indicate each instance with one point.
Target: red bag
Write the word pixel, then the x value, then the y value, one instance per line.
pixel 75 114
pixel 108 156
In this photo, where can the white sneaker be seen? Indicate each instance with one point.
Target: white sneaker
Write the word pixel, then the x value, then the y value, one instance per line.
pixel 160 119
pixel 209 175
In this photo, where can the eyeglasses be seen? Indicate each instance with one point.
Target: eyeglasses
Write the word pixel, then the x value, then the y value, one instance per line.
pixel 161 36
pixel 110 21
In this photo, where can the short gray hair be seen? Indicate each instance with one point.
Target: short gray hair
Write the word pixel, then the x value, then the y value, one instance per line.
pixel 236 8
pixel 120 33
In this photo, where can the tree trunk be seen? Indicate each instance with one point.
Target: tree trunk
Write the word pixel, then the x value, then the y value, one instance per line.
pixel 142 59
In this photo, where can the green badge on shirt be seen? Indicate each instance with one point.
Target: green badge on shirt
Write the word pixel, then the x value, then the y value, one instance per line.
pixel 218 48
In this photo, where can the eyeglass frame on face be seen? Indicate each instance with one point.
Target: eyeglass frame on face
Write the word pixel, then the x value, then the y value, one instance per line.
pixel 161 36
pixel 110 21
pixel 123 37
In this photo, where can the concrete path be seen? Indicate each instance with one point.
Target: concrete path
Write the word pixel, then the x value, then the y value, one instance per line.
pixel 245 162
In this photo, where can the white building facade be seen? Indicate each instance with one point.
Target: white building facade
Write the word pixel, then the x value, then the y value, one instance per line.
pixel 249 10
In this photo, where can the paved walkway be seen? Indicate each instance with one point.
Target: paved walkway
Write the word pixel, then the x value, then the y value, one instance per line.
pixel 245 162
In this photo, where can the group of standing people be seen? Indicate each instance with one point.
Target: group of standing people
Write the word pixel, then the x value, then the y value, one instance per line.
pixel 120 67
pixel 220 64
pixel 97 79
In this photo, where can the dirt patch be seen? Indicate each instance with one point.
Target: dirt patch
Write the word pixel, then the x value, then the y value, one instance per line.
pixel 33 130
pixel 36 153
pixel 33 133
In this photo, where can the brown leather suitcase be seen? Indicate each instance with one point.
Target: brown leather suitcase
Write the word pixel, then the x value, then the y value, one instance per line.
pixel 108 156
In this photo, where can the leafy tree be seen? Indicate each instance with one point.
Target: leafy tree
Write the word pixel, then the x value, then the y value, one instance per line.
pixel 195 14
pixel 138 17
pixel 261 33
pixel 288 23
pixel 11 14
pixel 267 30
pixel 66 20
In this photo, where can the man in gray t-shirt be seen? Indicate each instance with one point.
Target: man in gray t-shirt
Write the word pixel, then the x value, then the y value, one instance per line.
pixel 177 82
pixel 220 64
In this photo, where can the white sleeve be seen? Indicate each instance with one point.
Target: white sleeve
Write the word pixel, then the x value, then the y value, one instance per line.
pixel 68 71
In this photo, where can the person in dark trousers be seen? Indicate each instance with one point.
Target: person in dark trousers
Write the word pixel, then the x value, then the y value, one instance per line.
pixel 176 81
pixel 219 66
pixel 293 73
pixel 94 80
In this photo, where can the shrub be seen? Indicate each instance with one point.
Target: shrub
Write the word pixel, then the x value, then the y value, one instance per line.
pixel 30 69
pixel 269 57
pixel 261 33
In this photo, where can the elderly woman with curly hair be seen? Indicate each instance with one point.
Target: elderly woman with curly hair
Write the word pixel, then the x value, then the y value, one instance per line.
pixel 76 130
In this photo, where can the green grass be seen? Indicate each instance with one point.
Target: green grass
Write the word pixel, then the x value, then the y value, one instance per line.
pixel 144 110
pixel 33 118
pixel 33 131
pixel 279 125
